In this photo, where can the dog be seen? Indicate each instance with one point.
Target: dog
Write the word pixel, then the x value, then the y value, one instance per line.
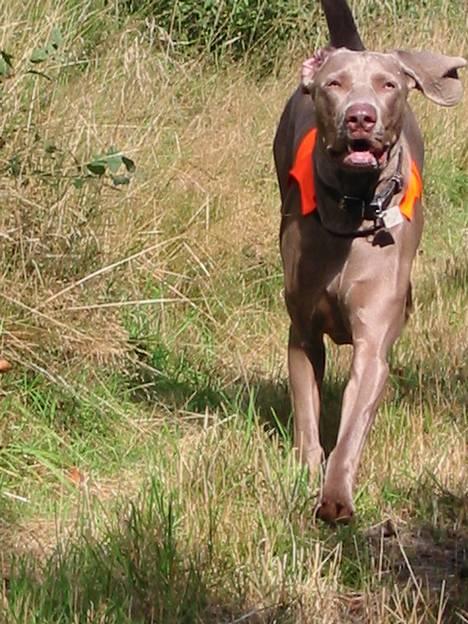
pixel 349 160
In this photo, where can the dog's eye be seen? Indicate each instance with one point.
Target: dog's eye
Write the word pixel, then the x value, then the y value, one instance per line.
pixel 333 83
pixel 389 85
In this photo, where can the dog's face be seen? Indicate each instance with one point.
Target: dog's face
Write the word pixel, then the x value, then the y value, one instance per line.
pixel 360 99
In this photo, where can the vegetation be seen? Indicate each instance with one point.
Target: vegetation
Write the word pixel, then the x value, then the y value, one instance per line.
pixel 145 465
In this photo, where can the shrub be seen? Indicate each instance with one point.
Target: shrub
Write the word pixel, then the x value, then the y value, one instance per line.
pixel 234 26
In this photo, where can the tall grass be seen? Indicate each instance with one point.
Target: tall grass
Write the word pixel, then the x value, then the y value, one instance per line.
pixel 145 472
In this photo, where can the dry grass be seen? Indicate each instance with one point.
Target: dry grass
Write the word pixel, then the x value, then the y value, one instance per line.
pixel 147 332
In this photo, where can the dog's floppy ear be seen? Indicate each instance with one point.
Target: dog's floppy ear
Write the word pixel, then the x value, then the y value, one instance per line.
pixel 433 74
pixel 311 66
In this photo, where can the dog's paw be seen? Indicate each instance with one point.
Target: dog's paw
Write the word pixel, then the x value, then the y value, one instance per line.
pixel 334 512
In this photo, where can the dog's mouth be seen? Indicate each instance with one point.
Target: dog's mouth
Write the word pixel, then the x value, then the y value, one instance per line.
pixel 365 154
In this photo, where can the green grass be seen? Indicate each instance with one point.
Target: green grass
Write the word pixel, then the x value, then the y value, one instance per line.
pixel 145 427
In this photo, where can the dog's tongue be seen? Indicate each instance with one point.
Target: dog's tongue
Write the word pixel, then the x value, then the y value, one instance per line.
pixel 361 159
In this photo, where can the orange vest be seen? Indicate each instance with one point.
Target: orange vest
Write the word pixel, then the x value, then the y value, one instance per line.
pixel 303 172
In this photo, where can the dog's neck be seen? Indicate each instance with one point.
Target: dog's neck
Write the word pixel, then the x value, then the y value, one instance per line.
pixel 337 190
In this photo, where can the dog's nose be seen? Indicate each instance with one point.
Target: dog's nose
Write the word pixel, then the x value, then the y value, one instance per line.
pixel 360 116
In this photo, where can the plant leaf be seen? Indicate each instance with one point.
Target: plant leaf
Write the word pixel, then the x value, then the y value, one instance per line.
pixel 78 182
pixel 129 164
pixel 5 366
pixel 39 55
pixel 5 63
pixel 14 166
pixel 38 73
pixel 120 179
pixel 114 162
pixel 97 167
pixel 56 38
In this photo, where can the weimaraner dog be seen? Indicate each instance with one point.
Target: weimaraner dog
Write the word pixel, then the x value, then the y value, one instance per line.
pixel 349 158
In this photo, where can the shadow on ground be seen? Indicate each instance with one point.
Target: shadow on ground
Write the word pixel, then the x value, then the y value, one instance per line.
pixel 427 561
pixel 434 557
pixel 186 388
pixel 137 571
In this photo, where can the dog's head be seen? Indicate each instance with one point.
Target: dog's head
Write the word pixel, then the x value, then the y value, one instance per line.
pixel 360 98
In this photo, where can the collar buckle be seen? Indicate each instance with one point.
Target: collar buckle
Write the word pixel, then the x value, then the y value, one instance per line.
pixel 348 202
pixel 377 206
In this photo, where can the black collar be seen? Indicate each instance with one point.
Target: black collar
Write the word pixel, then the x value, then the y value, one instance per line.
pixel 372 210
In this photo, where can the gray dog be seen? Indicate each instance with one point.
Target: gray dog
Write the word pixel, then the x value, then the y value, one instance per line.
pixel 349 158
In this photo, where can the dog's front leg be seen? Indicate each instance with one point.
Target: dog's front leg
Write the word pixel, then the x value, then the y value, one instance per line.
pixel 372 339
pixel 306 362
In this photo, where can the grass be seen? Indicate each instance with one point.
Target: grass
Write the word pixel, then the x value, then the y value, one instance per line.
pixel 145 465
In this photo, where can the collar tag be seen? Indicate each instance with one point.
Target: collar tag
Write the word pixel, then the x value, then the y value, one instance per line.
pixel 392 216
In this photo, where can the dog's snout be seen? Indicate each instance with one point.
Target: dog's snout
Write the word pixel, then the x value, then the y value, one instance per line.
pixel 361 117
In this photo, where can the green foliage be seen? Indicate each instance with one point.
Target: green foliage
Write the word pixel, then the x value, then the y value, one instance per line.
pixel 112 163
pixel 265 28
pixel 50 50
pixel 235 27
pixel 135 572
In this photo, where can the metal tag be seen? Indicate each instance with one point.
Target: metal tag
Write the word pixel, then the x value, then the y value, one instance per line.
pixel 392 216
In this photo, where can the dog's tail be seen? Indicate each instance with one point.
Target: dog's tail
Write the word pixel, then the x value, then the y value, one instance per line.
pixel 341 25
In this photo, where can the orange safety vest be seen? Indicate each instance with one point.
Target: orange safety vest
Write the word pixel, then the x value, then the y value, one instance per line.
pixel 303 172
